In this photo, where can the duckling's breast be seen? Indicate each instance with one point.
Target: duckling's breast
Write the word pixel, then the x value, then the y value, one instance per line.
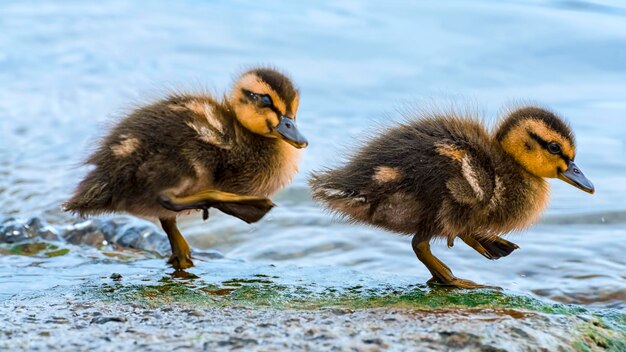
pixel 259 167
pixel 278 172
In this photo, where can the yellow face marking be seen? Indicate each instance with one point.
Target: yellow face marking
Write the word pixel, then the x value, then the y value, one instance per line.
pixel 252 117
pixel 533 156
pixel 126 147
pixel 294 105
pixel 386 174
pixel 542 130
pixel 254 84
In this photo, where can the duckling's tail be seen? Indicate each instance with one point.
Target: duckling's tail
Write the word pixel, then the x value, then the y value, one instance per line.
pixel 91 197
pixel 325 187
pixel 330 188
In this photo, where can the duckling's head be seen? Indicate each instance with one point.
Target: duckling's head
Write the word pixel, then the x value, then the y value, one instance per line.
pixel 265 102
pixel 543 144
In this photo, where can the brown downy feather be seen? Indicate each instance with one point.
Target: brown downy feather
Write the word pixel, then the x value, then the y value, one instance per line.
pixel 182 145
pixel 439 176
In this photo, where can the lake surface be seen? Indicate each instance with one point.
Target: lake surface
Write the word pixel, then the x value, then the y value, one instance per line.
pixel 68 68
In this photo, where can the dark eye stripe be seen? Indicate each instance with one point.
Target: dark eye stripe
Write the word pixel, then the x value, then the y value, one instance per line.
pixel 544 144
pixel 249 94
pixel 256 96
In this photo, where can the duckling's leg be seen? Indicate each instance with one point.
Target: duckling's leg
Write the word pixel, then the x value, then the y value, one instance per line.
pixel 181 252
pixel 442 275
pixel 490 248
pixel 247 208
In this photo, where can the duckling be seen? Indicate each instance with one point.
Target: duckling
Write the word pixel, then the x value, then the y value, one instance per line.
pixel 195 152
pixel 448 176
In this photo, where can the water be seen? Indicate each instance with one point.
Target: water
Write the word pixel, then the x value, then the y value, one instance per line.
pixel 68 68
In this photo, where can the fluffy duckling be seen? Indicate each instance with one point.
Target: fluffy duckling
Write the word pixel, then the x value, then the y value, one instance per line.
pixel 447 176
pixel 197 152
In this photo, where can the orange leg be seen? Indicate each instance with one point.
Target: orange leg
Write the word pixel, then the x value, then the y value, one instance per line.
pixel 247 208
pixel 181 252
pixel 442 275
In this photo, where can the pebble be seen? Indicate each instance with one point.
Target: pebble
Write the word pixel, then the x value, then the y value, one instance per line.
pixel 105 319
pixel 194 313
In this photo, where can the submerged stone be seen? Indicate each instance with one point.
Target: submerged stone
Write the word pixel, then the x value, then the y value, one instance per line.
pixel 123 232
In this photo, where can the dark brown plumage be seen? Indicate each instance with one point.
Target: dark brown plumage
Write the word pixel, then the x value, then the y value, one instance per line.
pixel 195 152
pixel 444 175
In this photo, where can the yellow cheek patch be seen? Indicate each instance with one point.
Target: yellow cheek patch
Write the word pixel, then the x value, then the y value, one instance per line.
pixel 529 153
pixel 539 164
pixel 272 119
pixel 450 151
pixel 249 117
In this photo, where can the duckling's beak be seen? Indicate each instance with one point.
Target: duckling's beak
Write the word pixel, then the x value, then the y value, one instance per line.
pixel 287 131
pixel 575 177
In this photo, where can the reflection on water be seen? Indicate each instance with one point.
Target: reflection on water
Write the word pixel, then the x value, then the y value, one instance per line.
pixel 68 67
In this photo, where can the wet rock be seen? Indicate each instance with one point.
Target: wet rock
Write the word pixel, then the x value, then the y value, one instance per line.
pixel 459 339
pixel 85 232
pixel 106 319
pixel 116 277
pixel 237 342
pixel 194 313
pixel 341 311
pixel 465 340
pixel 57 320
pixel 43 230
pixel 519 332
pixel 144 237
pixel 17 230
pixel 121 231
pixel 375 341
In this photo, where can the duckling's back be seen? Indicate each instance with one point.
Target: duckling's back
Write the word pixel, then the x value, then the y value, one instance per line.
pixel 150 150
pixel 437 175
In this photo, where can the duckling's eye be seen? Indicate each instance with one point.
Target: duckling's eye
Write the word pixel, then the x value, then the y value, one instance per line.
pixel 266 100
pixel 554 148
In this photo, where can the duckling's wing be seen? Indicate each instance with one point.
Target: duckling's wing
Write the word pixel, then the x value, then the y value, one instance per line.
pixel 475 181
pixel 207 121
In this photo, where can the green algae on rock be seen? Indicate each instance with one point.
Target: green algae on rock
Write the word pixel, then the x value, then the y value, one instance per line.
pixel 235 293
pixel 34 249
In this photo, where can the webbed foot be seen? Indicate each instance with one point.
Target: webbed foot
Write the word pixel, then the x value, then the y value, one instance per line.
pixel 181 252
pixel 490 248
pixel 459 283
pixel 247 208
pixel 499 247
pixel 442 275
pixel 180 261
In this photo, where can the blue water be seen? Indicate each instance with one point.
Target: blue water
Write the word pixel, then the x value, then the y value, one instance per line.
pixel 68 68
